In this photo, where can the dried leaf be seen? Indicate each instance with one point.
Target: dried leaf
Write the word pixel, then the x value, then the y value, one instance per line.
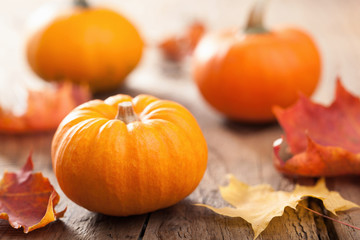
pixel 322 141
pixel 176 47
pixel 258 205
pixel 44 109
pixel 28 199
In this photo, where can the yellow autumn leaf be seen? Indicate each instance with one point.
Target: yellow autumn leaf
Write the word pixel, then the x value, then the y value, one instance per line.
pixel 258 205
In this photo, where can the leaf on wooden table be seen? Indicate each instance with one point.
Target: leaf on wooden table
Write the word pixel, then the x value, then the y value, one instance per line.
pixel 258 205
pixel 44 108
pixel 176 47
pixel 28 199
pixel 320 140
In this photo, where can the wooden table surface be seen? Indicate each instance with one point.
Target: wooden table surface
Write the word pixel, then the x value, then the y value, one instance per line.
pixel 242 150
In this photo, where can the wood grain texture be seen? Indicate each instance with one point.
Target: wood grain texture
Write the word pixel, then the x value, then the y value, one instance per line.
pixel 242 150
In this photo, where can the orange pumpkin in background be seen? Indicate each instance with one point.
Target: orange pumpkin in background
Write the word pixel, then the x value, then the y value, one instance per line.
pixel 243 75
pixel 125 156
pixel 95 46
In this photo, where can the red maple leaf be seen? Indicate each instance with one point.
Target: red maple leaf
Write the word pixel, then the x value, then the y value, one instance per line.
pixel 322 141
pixel 28 199
pixel 45 108
pixel 178 46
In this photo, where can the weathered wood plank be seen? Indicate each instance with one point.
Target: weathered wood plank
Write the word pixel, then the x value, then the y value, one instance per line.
pixel 349 188
pixel 81 224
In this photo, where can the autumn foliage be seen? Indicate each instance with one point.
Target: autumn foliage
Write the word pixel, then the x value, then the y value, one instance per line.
pixel 177 47
pixel 259 204
pixel 322 141
pixel 28 199
pixel 45 108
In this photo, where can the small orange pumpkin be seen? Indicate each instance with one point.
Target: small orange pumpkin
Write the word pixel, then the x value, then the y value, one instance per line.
pixel 125 156
pixel 90 45
pixel 243 75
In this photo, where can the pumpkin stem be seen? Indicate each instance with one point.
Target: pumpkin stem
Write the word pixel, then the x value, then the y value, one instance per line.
pixel 255 22
pixel 81 3
pixel 126 113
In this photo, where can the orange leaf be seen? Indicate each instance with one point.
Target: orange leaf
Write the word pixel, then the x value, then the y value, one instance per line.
pixel 176 47
pixel 28 199
pixel 45 108
pixel 322 141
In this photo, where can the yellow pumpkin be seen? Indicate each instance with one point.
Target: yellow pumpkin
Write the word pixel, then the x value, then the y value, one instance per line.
pixel 125 156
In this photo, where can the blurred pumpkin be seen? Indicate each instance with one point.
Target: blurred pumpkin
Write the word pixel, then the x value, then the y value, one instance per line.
pixel 87 44
pixel 243 75
pixel 125 156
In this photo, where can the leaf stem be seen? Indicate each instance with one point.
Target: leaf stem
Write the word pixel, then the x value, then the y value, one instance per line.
pixel 333 219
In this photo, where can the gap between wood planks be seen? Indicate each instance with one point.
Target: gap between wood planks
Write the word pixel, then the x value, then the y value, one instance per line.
pixel 143 229
pixel 317 205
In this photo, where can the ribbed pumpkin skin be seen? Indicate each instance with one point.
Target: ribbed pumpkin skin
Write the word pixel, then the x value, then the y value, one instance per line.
pixel 109 167
pixel 92 46
pixel 244 75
